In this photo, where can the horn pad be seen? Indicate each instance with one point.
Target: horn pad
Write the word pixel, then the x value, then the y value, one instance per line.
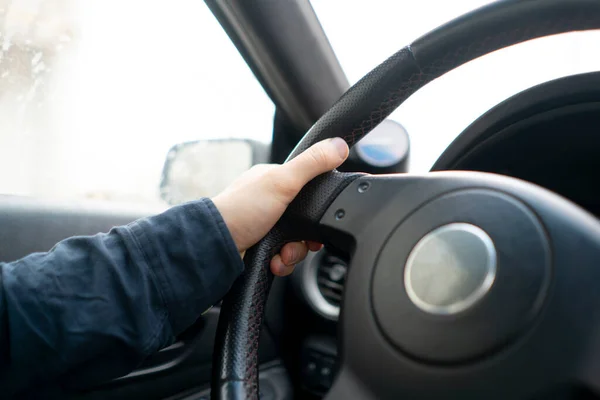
pixel 487 256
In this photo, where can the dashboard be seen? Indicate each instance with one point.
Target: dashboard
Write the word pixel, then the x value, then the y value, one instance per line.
pixel 548 135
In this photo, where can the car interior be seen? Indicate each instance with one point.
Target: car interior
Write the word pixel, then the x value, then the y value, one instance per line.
pixel 525 172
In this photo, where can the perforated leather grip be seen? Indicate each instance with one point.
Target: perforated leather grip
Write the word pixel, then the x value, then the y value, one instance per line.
pixel 356 113
pixel 236 345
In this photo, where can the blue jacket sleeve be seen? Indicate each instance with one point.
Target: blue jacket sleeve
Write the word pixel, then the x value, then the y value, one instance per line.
pixel 93 308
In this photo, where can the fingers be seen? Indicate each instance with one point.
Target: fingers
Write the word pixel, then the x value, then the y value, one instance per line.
pixel 291 254
pixel 278 268
pixel 314 246
pixel 318 159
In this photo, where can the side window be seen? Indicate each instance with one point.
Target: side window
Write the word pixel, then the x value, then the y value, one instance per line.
pixel 94 94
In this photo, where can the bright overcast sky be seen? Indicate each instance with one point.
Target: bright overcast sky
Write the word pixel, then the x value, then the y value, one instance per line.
pixel 142 75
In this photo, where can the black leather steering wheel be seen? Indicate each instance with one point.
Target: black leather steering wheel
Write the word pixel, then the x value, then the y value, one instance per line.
pixel 462 284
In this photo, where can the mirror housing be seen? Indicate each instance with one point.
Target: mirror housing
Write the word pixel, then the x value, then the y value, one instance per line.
pixel 204 168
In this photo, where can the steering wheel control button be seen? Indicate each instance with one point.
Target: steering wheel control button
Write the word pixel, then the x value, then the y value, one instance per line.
pixel 462 277
pixel 318 366
pixel 450 269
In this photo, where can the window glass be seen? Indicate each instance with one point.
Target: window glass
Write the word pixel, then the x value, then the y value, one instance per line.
pixel 93 94
pixel 364 33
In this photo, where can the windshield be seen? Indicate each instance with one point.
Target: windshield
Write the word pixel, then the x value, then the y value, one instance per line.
pixel 94 93
pixel 364 33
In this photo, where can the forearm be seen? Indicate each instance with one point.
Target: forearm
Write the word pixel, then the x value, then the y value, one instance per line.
pixel 94 307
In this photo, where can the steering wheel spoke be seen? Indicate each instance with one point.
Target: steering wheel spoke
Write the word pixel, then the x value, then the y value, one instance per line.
pixel 242 311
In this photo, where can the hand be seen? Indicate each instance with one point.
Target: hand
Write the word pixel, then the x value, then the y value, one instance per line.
pixel 256 200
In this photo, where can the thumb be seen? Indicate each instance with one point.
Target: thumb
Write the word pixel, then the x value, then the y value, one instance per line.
pixel 321 157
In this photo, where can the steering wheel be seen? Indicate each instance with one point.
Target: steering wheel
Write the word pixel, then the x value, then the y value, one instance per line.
pixel 462 284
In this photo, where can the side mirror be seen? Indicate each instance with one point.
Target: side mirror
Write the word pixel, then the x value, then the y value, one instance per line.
pixel 204 168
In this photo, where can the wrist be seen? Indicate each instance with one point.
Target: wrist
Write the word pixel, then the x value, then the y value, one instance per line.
pixel 222 207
